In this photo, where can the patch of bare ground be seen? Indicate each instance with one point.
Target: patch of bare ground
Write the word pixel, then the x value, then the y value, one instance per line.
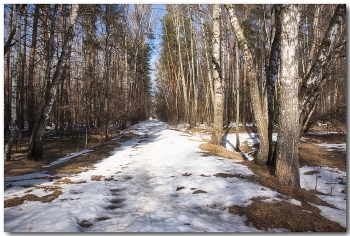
pixel 247 129
pixel 311 154
pixel 57 148
pixel 215 150
pixel 85 224
pixel 31 197
pixel 270 181
pixel 281 214
pixel 73 166
pixel 264 215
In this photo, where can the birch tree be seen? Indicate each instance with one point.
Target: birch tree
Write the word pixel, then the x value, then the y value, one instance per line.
pixel 287 160
pixel 15 78
pixel 257 102
pixel 216 137
pixel 35 151
pixel 317 75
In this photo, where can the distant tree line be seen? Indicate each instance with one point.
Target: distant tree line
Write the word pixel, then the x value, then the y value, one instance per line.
pixel 74 66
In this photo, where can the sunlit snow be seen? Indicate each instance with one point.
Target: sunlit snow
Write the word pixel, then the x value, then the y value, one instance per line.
pixel 159 181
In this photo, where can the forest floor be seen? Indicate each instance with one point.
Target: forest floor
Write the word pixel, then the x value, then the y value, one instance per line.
pixel 156 178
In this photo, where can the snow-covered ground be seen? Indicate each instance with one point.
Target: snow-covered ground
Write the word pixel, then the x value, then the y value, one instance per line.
pixel 156 182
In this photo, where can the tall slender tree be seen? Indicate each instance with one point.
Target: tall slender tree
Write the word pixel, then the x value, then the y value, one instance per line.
pixel 216 137
pixel 15 78
pixel 287 164
pixel 271 78
pixel 255 94
pixel 35 149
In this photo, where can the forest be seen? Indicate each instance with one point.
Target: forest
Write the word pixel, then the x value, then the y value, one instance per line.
pixel 90 72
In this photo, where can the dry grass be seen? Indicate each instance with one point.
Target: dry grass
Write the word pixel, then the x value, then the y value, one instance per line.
pixel 31 197
pixel 96 177
pixel 311 154
pixel 214 150
pixel 282 214
pixel 262 215
pixel 55 149
pixel 265 215
pixel 73 166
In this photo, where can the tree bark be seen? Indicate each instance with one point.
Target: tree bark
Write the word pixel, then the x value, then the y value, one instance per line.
pixel 237 96
pixel 216 137
pixel 313 82
pixel 181 68
pixel 271 79
pixel 287 160
pixel 15 79
pixel 257 106
pixel 35 151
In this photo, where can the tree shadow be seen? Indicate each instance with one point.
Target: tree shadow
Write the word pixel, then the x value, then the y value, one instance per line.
pixel 226 141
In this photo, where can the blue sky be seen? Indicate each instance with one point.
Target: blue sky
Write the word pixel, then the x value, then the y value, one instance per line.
pixel 157 15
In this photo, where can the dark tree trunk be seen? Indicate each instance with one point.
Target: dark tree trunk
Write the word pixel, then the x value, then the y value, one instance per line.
pixel 31 103
pixel 271 78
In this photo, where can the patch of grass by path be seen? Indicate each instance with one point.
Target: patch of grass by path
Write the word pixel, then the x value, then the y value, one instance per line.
pixel 54 150
pixel 73 166
pixel 267 215
pixel 281 214
pixel 215 150
pixel 31 197
pixel 313 155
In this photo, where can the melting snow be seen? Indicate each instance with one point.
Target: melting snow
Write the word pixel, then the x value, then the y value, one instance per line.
pixel 156 182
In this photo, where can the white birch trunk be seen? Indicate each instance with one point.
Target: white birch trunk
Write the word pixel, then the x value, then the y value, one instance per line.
pixel 216 137
pixel 15 79
pixel 287 160
pixel 35 151
pixel 182 74
pixel 314 80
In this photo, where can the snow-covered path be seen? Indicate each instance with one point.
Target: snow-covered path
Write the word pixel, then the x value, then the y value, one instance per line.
pixel 159 181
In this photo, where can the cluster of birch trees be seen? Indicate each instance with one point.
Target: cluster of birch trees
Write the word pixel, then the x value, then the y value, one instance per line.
pixel 267 64
pixel 73 66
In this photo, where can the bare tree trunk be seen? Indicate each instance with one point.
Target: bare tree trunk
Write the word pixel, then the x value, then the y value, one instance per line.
pixel 35 143
pixel 216 137
pixel 257 106
pixel 244 87
pixel 15 78
pixel 194 77
pixel 245 97
pixel 314 36
pixel 287 160
pixel 182 74
pixel 237 96
pixel 272 75
pixel 7 92
pixel 313 81
pixel 210 93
